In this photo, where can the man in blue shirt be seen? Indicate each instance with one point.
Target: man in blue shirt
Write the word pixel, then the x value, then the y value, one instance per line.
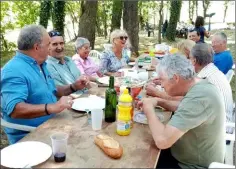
pixel 28 93
pixel 222 57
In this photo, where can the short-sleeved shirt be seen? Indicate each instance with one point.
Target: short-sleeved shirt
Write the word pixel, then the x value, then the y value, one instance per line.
pixel 86 66
pixel 201 116
pixel 110 63
pixel 224 61
pixel 201 30
pixel 23 81
pixel 63 74
pixel 216 77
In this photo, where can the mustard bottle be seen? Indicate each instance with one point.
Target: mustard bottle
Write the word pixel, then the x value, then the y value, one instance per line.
pixel 124 116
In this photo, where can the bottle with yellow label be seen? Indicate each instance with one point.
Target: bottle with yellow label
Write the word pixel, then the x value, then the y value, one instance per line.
pixel 124 116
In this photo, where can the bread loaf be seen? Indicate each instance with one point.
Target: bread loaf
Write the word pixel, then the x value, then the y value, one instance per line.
pixel 110 146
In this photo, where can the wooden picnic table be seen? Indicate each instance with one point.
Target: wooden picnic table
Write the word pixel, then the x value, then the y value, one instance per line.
pixel 139 149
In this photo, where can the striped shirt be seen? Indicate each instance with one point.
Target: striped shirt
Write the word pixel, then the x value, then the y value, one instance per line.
pixel 216 77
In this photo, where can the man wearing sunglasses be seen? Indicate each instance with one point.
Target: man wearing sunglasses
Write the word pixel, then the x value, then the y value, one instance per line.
pixel 28 93
pixel 63 70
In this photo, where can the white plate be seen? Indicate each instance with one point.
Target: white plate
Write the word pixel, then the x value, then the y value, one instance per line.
pixel 104 80
pixel 29 153
pixel 88 103
pixel 131 63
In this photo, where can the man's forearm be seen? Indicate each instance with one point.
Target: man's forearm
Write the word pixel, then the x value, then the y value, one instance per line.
pixel 65 90
pixel 156 127
pixel 169 105
pixel 165 96
pixel 28 111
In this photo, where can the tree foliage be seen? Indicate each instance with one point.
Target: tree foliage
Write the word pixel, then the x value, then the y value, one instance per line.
pixel 25 12
pixel 116 14
pixel 73 9
pixel 58 16
pixel 191 7
pixel 175 8
pixel 44 15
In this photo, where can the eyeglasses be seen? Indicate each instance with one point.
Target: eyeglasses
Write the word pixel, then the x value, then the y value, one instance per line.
pixel 123 37
pixel 54 33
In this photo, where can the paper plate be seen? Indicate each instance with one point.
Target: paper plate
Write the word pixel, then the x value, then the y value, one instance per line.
pixel 28 153
pixel 88 103
pixel 104 80
pixel 140 117
pixel 131 63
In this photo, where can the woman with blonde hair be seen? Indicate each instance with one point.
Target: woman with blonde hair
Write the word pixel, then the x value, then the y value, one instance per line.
pixel 184 47
pixel 116 58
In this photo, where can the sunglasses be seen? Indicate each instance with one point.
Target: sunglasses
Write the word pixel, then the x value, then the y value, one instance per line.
pixel 54 33
pixel 123 37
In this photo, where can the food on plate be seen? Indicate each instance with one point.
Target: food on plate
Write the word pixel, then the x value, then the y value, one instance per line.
pixel 109 146
pixel 160 52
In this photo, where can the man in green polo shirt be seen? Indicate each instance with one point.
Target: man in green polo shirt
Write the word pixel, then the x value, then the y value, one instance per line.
pixel 62 69
pixel 194 136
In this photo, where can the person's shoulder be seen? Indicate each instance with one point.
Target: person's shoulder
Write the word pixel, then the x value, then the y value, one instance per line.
pixel 107 53
pixel 51 60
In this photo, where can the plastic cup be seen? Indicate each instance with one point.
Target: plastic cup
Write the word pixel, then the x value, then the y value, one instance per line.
pixel 97 115
pixel 59 146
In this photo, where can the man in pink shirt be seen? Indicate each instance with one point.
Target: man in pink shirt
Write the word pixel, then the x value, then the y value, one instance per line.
pixel 82 60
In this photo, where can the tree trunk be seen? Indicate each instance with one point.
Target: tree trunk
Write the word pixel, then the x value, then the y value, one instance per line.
pixel 205 5
pixel 196 7
pixel 44 15
pixel 58 16
pixel 175 8
pixel 105 21
pixel 88 20
pixel 130 23
pixel 160 21
pixel 116 14
pixel 225 10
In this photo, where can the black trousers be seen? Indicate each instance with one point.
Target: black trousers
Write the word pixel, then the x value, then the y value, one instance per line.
pixel 166 160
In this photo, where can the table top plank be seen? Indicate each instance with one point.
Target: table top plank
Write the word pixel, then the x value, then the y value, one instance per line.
pixel 139 149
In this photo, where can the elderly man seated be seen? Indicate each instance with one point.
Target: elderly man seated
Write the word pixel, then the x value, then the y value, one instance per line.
pixel 222 57
pixel 201 57
pixel 28 93
pixel 189 139
pixel 62 68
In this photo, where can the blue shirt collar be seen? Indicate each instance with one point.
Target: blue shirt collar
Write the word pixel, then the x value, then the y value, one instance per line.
pixel 27 58
pixel 53 59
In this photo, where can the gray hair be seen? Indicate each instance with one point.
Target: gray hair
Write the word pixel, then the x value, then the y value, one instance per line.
pixel 80 42
pixel 203 53
pixel 117 33
pixel 221 35
pixel 176 64
pixel 30 35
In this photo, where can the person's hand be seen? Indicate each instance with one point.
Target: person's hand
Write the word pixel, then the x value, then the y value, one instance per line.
pixel 99 74
pixel 156 81
pixel 146 103
pixel 151 90
pixel 118 74
pixel 81 83
pixel 65 102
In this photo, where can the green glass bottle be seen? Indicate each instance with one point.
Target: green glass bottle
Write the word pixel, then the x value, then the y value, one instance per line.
pixel 111 102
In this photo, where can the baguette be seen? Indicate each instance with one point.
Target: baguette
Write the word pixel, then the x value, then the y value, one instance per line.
pixel 109 146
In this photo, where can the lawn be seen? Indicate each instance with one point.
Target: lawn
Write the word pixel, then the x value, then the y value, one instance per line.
pixel 145 43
